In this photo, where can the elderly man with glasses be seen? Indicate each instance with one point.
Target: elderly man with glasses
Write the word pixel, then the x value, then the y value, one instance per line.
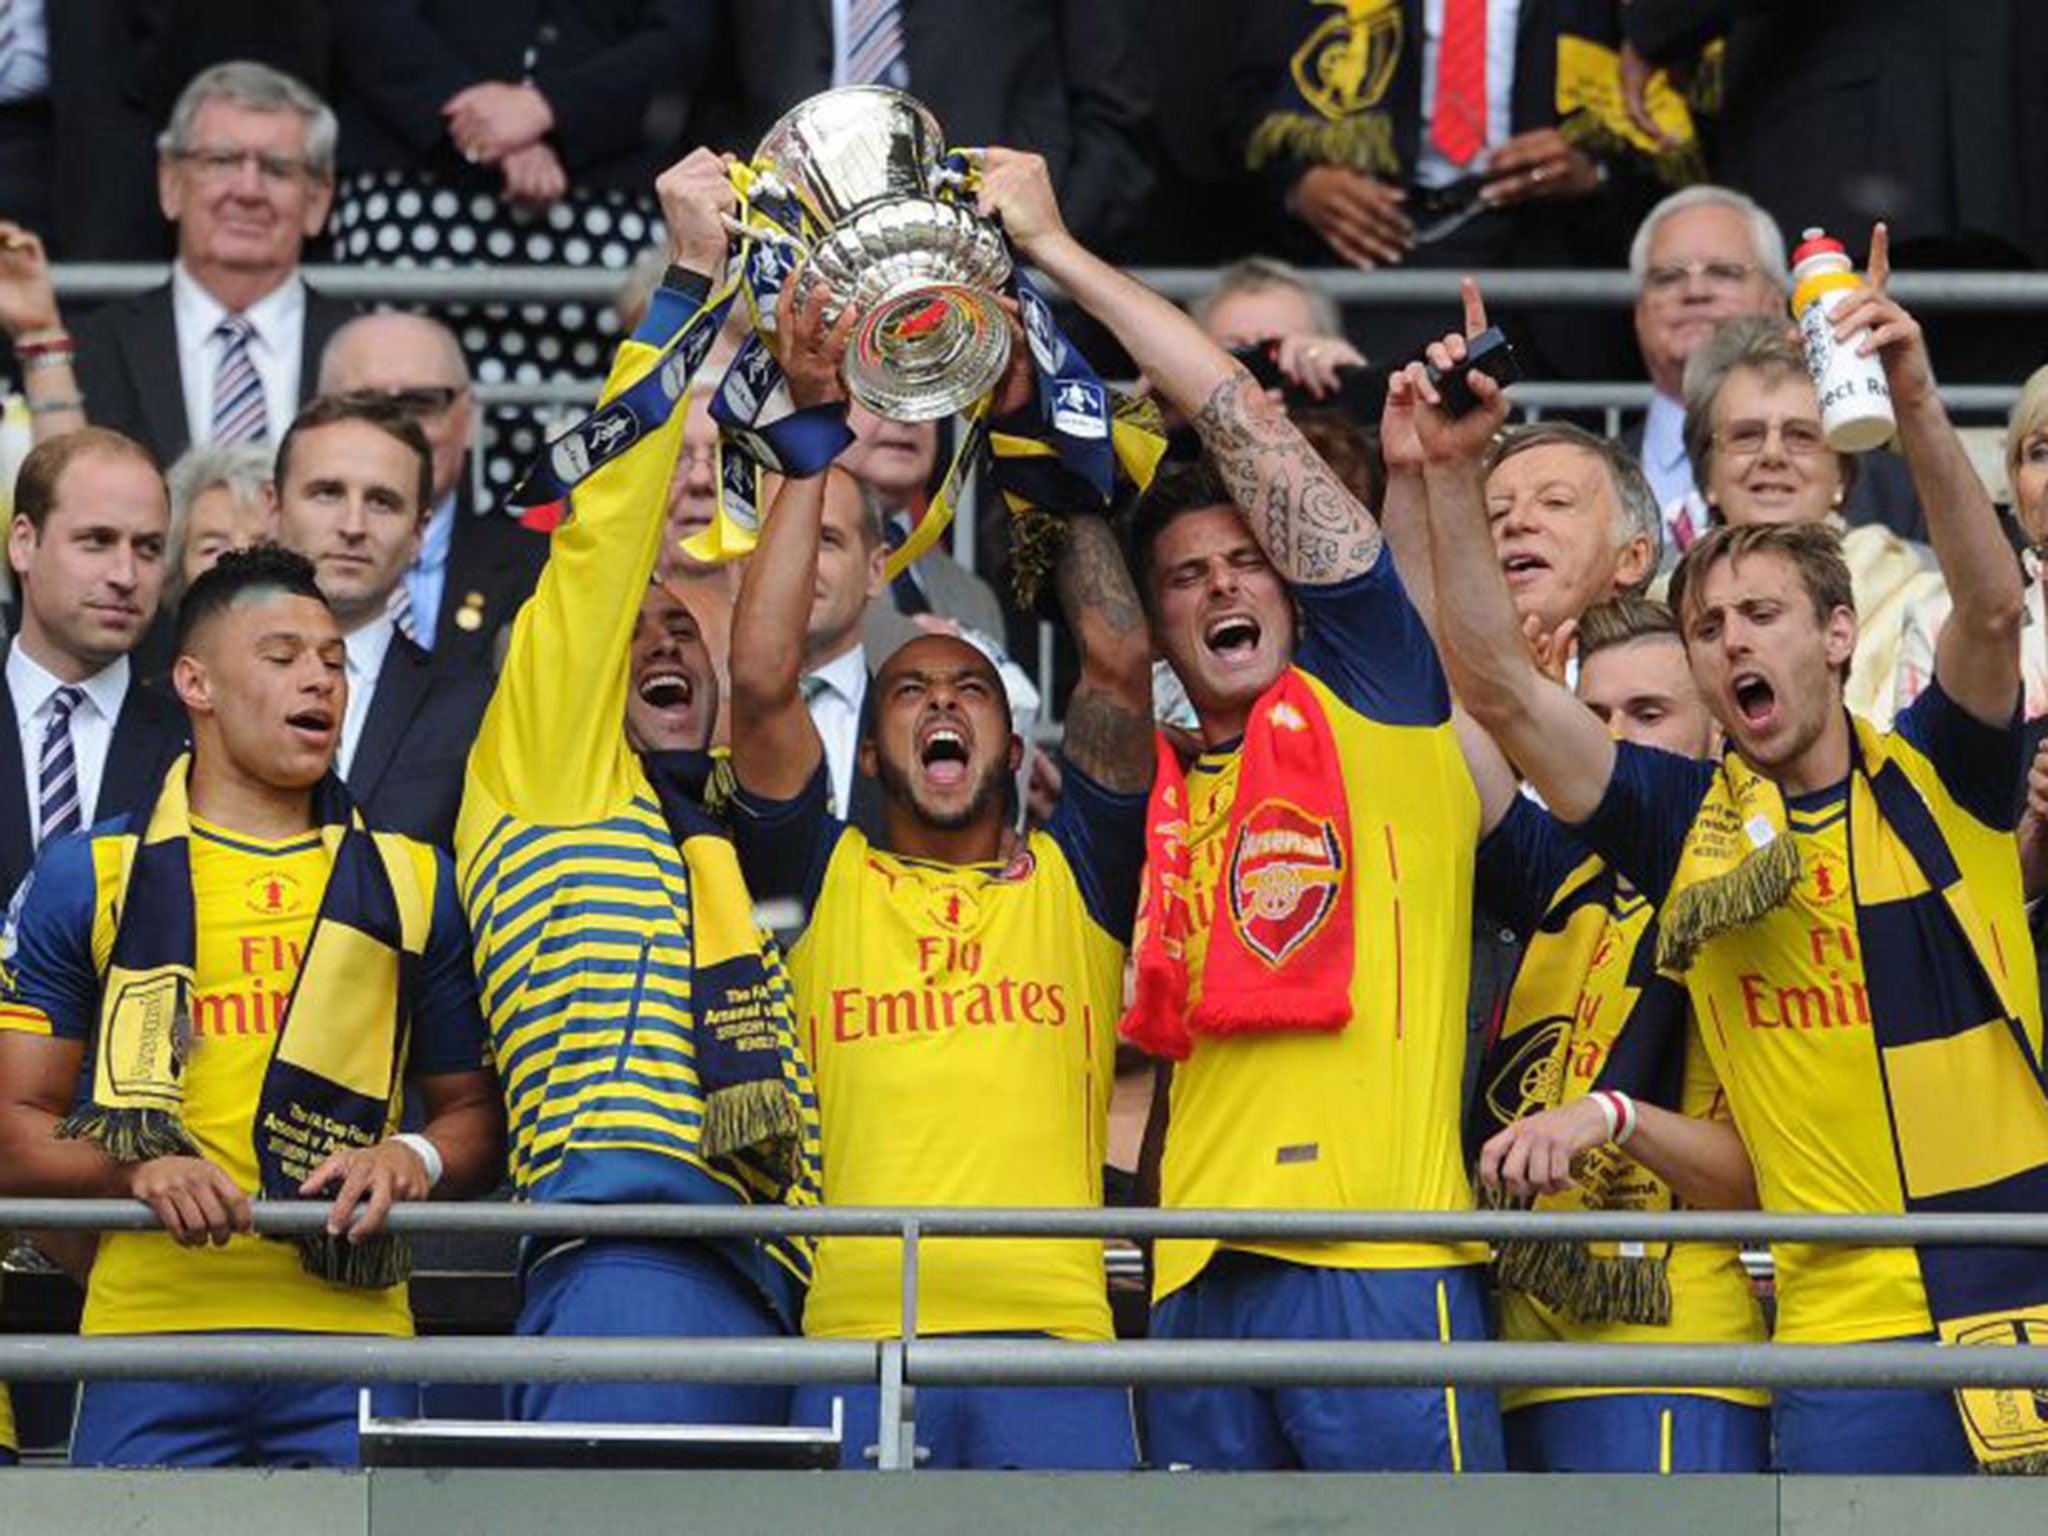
pixel 475 565
pixel 1701 256
pixel 222 352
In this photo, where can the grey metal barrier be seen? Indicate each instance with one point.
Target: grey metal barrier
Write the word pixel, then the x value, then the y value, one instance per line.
pixel 898 1366
pixel 1570 287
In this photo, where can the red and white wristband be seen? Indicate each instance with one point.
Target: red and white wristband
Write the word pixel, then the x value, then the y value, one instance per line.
pixel 1619 1111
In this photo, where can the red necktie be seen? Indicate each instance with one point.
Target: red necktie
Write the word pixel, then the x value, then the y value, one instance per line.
pixel 1458 124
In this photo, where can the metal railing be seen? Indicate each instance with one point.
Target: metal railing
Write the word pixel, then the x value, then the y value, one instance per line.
pixel 1567 287
pixel 898 1366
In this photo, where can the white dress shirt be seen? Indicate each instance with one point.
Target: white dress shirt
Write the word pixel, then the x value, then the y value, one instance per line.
pixel 1432 169
pixel 279 319
pixel 1665 465
pixel 835 711
pixel 25 62
pixel 33 688
pixel 366 649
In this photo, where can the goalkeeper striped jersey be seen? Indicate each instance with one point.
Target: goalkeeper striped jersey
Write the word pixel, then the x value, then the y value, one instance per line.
pixel 578 898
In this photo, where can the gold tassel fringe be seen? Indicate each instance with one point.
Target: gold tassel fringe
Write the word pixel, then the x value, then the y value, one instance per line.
pixel 1036 538
pixel 1712 907
pixel 2032 1464
pixel 129 1135
pixel 762 1115
pixel 373 1265
pixel 1363 142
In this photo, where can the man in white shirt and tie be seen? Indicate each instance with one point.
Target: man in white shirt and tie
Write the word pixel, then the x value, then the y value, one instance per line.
pixel 87 547
pixel 475 565
pixel 354 477
pixel 851 555
pixel 221 352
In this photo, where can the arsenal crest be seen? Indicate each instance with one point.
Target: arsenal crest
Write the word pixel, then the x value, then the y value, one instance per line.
pixel 1284 875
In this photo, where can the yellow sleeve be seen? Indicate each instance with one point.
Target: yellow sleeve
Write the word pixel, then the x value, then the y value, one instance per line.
pixel 553 748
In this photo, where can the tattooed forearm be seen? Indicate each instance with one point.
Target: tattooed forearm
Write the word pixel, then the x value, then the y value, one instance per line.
pixel 1307 521
pixel 1095 587
pixel 1109 740
pixel 1109 717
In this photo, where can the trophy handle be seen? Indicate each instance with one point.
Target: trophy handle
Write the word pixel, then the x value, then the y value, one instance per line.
pixel 767 234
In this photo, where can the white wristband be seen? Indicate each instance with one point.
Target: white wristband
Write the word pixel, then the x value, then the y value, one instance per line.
pixel 1619 1111
pixel 429 1154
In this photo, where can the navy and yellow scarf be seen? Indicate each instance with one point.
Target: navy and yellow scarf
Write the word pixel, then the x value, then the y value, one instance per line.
pixel 1559 1040
pixel 739 991
pixel 336 1062
pixel 1955 1012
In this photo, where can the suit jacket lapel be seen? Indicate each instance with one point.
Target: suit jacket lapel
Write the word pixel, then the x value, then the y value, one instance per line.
pixel 133 752
pixel 17 841
pixel 401 689
pixel 152 349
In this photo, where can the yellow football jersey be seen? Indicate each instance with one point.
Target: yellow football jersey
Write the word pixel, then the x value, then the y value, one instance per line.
pixel 1791 1035
pixel 256 901
pixel 960 1024
pixel 961 1028
pixel 1365 1118
pixel 1711 1299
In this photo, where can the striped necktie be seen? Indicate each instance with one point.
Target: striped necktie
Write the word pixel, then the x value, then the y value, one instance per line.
pixel 400 609
pixel 1457 123
pixel 874 43
pixel 57 777
pixel 239 412
pixel 24 72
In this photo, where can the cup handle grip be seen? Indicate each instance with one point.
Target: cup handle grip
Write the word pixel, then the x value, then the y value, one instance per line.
pixel 766 233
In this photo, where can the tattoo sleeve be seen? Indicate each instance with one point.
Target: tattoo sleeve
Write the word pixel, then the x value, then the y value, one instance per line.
pixel 1109 717
pixel 1310 525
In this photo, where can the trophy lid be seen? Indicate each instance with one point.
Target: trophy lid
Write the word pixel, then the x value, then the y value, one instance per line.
pixel 841 150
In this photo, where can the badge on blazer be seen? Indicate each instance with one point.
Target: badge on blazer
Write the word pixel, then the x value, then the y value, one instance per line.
pixel 470 616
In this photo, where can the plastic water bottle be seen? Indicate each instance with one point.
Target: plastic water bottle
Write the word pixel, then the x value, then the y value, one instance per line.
pixel 1855 398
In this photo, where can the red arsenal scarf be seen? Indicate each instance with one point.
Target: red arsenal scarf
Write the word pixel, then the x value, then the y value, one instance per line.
pixel 1280 938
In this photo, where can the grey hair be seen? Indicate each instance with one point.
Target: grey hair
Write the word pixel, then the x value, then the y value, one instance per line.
pixel 1764 344
pixel 1256 274
pixel 1637 503
pixel 1764 234
pixel 243 468
pixel 259 88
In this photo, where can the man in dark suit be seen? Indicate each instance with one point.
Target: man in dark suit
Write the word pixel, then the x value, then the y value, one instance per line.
pixel 1062 78
pixel 475 566
pixel 224 350
pixel 353 478
pixel 83 739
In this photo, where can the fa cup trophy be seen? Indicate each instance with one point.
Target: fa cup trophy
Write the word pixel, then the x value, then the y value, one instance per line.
pixel 886 234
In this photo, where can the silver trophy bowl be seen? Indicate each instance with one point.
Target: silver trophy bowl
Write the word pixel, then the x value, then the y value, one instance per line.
pixel 922 272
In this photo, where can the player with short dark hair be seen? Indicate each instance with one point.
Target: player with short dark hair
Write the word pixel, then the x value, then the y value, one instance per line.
pixel 956 990
pixel 310 971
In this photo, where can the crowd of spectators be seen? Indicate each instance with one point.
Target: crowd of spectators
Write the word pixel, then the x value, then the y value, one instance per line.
pixel 234 406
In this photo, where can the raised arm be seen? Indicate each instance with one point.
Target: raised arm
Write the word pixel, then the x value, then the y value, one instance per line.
pixel 552 747
pixel 1109 716
pixel 1313 529
pixel 1404 520
pixel 1553 738
pixel 1977 658
pixel 775 747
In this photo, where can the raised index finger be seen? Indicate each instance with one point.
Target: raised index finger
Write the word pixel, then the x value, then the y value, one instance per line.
pixel 1880 255
pixel 1475 306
